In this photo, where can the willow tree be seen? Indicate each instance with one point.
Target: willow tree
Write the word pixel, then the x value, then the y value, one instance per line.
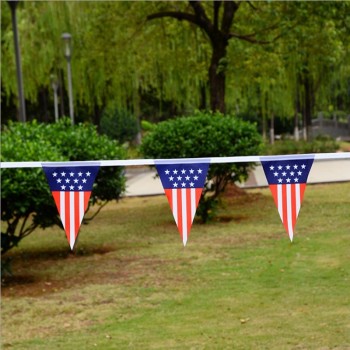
pixel 313 52
pixel 117 55
pixel 218 21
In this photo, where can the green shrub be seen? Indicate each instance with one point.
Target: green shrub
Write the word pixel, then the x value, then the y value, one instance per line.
pixel 320 144
pixel 206 135
pixel 119 124
pixel 25 195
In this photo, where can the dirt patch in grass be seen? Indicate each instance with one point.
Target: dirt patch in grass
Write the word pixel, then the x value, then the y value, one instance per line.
pixel 32 277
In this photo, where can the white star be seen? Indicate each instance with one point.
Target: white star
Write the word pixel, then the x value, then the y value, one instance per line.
pixel 299 173
pixel 183 184
pixel 63 174
pixel 80 173
pixel 179 178
pixel 187 178
pixel 171 178
pixel 71 174
pixel 295 166
pixel 63 187
pixel 167 172
pixel 288 180
pixel 76 181
pixel 292 173
pixel 280 180
pixel 287 167
pixel 175 184
pixel 279 167
pixel 183 171
pixel 71 187
pixel 195 177
pixel 272 167
pixel 284 173
pixel 59 181
pixel 199 171
pixel 54 174
pixel 175 171
pixel 296 179
pixel 191 171
pixel 80 187
pixel 191 184
pixel 303 166
pixel 67 181
pixel 275 173
pixel 88 173
pixel 84 181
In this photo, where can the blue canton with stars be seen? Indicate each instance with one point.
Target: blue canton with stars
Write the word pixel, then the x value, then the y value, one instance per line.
pixel 71 179
pixel 176 176
pixel 279 172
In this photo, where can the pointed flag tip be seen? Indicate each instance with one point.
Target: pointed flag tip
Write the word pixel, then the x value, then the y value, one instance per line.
pixel 72 245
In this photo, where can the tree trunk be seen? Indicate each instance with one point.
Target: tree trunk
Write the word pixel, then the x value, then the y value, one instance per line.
pixel 217 75
pixel 308 103
pixel 272 129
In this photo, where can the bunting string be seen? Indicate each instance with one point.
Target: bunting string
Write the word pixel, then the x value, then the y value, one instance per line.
pixel 211 160
pixel 183 180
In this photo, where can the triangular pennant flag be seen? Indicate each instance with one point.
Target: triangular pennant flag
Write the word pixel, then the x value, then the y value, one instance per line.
pixel 71 187
pixel 287 179
pixel 183 185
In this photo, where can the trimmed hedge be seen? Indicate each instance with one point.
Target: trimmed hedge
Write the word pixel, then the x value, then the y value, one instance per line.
pixel 25 194
pixel 206 135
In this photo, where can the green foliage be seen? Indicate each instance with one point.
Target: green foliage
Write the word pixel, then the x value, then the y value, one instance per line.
pixel 119 124
pixel 321 144
pixel 206 135
pixel 26 199
pixel 147 125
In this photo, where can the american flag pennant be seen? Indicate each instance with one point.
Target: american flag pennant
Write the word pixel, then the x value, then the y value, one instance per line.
pixel 71 187
pixel 183 185
pixel 287 179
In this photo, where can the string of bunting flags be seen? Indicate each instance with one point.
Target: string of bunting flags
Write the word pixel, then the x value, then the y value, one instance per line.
pixel 183 180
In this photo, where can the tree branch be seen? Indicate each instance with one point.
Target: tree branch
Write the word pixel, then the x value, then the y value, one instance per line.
pixel 174 14
pixel 249 38
pixel 217 5
pixel 230 9
pixel 202 19
pixel 97 211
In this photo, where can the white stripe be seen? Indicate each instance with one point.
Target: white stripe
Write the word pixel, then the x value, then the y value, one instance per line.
pixel 81 206
pixel 184 215
pixel 289 211
pixel 63 209
pixel 297 199
pixel 280 201
pixel 193 203
pixel 174 204
pixel 130 162
pixel 72 220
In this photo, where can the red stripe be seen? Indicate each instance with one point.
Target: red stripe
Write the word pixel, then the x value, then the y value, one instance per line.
pixel 87 195
pixel 198 195
pixel 76 214
pixel 67 215
pixel 293 205
pixel 56 197
pixel 284 207
pixel 169 194
pixel 189 211
pixel 273 189
pixel 302 191
pixel 179 212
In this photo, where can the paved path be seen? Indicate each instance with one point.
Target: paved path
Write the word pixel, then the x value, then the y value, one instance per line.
pixel 142 181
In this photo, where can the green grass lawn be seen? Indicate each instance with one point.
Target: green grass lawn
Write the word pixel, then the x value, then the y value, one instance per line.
pixel 238 284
